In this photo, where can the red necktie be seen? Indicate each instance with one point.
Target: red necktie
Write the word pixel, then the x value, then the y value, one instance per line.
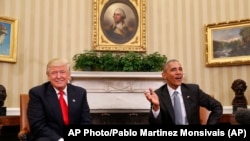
pixel 64 108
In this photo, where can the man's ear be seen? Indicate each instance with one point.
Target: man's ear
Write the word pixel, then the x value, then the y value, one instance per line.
pixel 163 75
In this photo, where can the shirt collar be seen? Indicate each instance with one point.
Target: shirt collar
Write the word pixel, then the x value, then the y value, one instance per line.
pixel 171 90
pixel 64 90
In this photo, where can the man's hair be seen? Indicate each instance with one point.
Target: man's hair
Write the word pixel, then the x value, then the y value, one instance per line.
pixel 58 62
pixel 120 11
pixel 168 62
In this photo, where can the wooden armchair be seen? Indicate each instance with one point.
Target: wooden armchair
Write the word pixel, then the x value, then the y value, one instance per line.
pixel 204 114
pixel 24 123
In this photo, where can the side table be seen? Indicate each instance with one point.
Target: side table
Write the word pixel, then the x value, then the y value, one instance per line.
pixel 9 121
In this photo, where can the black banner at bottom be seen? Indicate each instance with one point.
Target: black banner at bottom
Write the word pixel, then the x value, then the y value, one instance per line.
pixel 227 132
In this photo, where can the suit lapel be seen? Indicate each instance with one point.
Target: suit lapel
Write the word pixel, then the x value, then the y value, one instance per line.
pixel 72 102
pixel 52 99
pixel 168 102
pixel 186 99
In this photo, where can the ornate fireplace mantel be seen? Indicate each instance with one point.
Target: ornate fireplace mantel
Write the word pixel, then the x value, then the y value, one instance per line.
pixel 117 91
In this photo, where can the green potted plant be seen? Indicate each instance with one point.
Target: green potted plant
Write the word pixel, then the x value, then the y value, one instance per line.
pixel 87 61
pixel 109 61
pixel 153 62
pixel 115 61
pixel 130 61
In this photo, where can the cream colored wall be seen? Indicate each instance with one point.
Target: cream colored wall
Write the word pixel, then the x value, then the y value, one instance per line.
pixel 62 28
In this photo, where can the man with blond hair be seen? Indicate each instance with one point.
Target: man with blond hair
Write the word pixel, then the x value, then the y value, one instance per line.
pixel 46 116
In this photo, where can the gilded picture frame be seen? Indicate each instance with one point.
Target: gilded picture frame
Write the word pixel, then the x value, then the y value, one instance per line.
pixel 8 39
pixel 128 37
pixel 228 43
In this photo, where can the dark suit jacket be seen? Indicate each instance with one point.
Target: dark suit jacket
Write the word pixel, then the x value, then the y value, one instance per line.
pixel 44 113
pixel 193 98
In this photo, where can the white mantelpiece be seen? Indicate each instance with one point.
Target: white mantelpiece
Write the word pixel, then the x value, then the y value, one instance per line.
pixel 117 91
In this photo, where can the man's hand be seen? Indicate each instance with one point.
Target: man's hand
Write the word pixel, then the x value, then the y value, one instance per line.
pixel 153 99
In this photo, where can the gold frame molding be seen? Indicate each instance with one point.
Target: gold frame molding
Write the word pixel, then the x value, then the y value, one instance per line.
pixel 9 40
pixel 136 12
pixel 225 44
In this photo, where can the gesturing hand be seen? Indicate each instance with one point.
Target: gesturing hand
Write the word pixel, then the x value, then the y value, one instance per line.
pixel 153 99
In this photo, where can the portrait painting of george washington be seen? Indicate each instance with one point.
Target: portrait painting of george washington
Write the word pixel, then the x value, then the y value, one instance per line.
pixel 119 22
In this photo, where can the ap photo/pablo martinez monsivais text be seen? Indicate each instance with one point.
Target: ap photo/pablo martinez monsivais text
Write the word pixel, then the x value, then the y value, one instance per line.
pixel 224 132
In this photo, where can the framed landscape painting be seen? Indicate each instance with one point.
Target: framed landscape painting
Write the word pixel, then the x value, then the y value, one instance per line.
pixel 228 43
